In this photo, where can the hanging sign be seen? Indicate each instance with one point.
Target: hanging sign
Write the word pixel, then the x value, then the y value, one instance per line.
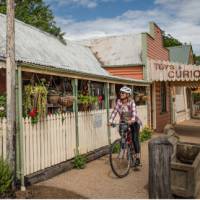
pixel 97 120
pixel 167 71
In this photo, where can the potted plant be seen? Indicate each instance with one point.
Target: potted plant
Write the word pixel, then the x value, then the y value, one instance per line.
pixel 35 101
pixel 86 101
pixel 53 96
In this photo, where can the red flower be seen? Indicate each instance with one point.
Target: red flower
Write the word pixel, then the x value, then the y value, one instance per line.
pixel 100 98
pixel 33 112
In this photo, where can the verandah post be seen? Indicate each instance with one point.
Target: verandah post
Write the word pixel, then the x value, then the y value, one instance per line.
pixel 19 138
pixel 106 87
pixel 75 109
pixel 10 86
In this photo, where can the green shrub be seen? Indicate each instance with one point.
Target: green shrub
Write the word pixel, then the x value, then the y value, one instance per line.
pixel 2 106
pixel 145 134
pixel 6 178
pixel 116 148
pixel 79 161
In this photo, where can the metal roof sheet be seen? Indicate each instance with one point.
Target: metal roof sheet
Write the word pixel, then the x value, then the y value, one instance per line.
pixel 117 50
pixel 38 47
pixel 180 54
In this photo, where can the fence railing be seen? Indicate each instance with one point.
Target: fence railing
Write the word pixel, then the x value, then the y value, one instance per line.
pixel 53 139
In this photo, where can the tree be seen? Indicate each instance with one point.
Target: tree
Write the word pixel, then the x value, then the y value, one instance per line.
pixel 170 41
pixel 35 13
pixel 196 59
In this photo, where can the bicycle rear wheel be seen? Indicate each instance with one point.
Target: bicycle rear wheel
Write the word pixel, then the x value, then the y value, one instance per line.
pixel 120 158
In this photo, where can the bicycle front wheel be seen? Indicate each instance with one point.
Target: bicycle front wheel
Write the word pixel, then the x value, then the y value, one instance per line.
pixel 120 158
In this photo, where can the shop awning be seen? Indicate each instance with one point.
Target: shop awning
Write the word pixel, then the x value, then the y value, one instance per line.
pixel 173 72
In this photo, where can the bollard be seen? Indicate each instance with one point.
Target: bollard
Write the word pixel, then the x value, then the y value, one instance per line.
pixel 160 151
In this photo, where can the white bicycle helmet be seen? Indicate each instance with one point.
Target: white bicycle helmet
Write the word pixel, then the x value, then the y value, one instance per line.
pixel 125 89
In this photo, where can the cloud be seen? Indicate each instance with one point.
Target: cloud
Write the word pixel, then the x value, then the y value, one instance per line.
pixel 181 20
pixel 82 3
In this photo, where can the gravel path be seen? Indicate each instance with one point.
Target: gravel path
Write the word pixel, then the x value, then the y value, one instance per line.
pixel 97 180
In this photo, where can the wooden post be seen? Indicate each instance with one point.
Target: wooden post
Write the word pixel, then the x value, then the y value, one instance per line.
pixel 160 151
pixel 75 109
pixel 10 84
pixel 20 129
pixel 106 87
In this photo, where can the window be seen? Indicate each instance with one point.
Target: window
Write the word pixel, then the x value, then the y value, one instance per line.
pixel 163 97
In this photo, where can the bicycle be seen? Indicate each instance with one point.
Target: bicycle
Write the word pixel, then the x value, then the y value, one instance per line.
pixel 122 155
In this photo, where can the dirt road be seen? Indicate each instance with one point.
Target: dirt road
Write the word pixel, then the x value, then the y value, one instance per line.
pixel 97 180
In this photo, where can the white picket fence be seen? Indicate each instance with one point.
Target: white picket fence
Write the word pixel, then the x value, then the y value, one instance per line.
pixel 49 142
pixel 3 138
pixel 53 139
pixel 92 130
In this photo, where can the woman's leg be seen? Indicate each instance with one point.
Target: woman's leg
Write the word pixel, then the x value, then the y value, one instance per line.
pixel 135 129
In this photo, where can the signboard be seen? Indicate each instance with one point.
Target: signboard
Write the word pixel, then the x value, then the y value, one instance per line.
pixel 167 71
pixel 97 120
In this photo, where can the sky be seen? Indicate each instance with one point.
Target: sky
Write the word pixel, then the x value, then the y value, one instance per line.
pixel 82 19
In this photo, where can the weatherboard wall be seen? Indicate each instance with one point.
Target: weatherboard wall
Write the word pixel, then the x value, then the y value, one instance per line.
pixel 156 51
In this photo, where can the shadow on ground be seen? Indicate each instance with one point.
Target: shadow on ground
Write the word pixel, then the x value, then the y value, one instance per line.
pixel 45 192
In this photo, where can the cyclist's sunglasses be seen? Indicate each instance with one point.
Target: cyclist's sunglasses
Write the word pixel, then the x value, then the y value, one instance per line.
pixel 122 93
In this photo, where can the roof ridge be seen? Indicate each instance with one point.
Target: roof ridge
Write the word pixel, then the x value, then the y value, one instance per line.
pixel 109 36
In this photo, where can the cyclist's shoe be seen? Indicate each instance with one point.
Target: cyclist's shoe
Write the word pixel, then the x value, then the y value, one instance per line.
pixel 133 164
pixel 137 162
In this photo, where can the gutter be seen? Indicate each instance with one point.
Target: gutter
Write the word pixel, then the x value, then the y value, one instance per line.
pixel 83 75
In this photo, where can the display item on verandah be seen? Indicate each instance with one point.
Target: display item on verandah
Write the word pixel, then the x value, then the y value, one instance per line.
pixel 53 96
pixel 66 100
pixel 35 97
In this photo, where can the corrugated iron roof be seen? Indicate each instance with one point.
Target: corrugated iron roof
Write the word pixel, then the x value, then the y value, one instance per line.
pixel 38 47
pixel 117 50
pixel 180 54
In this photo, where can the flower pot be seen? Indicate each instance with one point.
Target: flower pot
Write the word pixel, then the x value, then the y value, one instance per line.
pixel 53 98
pixel 66 101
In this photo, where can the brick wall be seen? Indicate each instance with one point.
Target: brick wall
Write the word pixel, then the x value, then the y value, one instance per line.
pixel 135 72
pixel 155 50
pixel 2 81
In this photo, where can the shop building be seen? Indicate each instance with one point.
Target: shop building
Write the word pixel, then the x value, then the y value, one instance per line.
pixel 132 56
pixel 63 100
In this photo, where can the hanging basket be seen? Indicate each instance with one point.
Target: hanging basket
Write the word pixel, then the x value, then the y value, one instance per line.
pixel 144 98
pixel 137 98
pixel 66 101
pixel 53 98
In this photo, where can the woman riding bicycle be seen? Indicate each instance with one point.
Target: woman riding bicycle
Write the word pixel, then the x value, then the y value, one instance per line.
pixel 126 108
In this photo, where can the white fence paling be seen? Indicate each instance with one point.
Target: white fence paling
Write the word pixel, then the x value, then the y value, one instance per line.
pixel 49 142
pixel 3 138
pixel 92 130
pixel 142 114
